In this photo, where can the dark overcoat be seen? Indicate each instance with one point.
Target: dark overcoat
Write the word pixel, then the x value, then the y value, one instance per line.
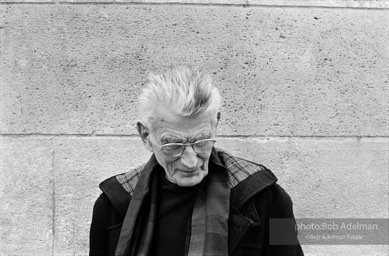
pixel 253 202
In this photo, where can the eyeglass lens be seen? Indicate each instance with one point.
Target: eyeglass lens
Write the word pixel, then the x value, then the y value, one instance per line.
pixel 176 149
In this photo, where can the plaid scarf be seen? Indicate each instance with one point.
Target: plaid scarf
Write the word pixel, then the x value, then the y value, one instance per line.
pixel 136 234
pixel 209 234
pixel 209 227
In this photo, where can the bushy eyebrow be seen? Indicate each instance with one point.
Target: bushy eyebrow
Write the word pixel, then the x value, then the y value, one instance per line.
pixel 201 136
pixel 169 138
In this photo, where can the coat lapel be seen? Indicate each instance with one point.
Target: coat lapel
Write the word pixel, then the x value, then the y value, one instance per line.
pixel 243 213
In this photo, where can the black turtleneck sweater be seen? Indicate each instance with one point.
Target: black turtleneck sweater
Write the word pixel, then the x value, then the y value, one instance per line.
pixel 172 227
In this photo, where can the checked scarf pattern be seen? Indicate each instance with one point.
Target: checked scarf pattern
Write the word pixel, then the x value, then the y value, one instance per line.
pixel 209 229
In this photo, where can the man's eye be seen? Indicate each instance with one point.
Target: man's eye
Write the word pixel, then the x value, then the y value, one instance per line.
pixel 173 147
pixel 201 143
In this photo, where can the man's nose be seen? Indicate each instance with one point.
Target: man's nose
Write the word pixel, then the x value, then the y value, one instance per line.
pixel 189 157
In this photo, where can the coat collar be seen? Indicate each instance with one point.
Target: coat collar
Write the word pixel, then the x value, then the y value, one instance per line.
pixel 245 179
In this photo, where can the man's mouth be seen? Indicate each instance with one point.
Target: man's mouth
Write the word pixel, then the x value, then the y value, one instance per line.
pixel 189 172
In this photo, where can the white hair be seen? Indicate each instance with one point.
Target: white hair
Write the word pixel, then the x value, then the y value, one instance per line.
pixel 183 90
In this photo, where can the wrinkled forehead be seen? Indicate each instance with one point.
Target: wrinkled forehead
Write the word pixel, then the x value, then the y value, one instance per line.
pixel 166 117
pixel 168 124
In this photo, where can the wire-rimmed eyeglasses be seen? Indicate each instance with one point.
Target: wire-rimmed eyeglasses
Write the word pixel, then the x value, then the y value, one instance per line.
pixel 176 149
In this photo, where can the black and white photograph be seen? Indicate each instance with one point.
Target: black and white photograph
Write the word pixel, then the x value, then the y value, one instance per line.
pixel 194 127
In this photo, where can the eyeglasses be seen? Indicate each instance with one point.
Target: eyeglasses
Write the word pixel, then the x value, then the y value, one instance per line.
pixel 176 149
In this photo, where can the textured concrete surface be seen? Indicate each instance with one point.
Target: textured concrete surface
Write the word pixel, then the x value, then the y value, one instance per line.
pixel 293 3
pixel 81 164
pixel 305 93
pixel 76 69
pixel 26 196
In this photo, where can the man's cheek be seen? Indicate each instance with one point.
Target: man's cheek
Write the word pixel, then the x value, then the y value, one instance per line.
pixel 170 167
pixel 205 164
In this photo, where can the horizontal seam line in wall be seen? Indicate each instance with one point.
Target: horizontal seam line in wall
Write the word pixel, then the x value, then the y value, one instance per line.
pixel 219 136
pixel 196 4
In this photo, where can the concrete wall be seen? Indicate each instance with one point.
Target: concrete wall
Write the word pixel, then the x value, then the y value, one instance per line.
pixel 305 86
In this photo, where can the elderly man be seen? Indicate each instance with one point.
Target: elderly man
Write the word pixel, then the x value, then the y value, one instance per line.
pixel 190 198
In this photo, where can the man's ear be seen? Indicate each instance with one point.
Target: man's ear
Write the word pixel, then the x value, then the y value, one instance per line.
pixel 144 133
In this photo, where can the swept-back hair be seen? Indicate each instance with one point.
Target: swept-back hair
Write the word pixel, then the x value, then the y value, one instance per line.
pixel 183 90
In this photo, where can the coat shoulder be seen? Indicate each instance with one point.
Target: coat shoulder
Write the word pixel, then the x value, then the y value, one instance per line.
pixel 246 178
pixel 128 180
pixel 240 169
pixel 117 190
